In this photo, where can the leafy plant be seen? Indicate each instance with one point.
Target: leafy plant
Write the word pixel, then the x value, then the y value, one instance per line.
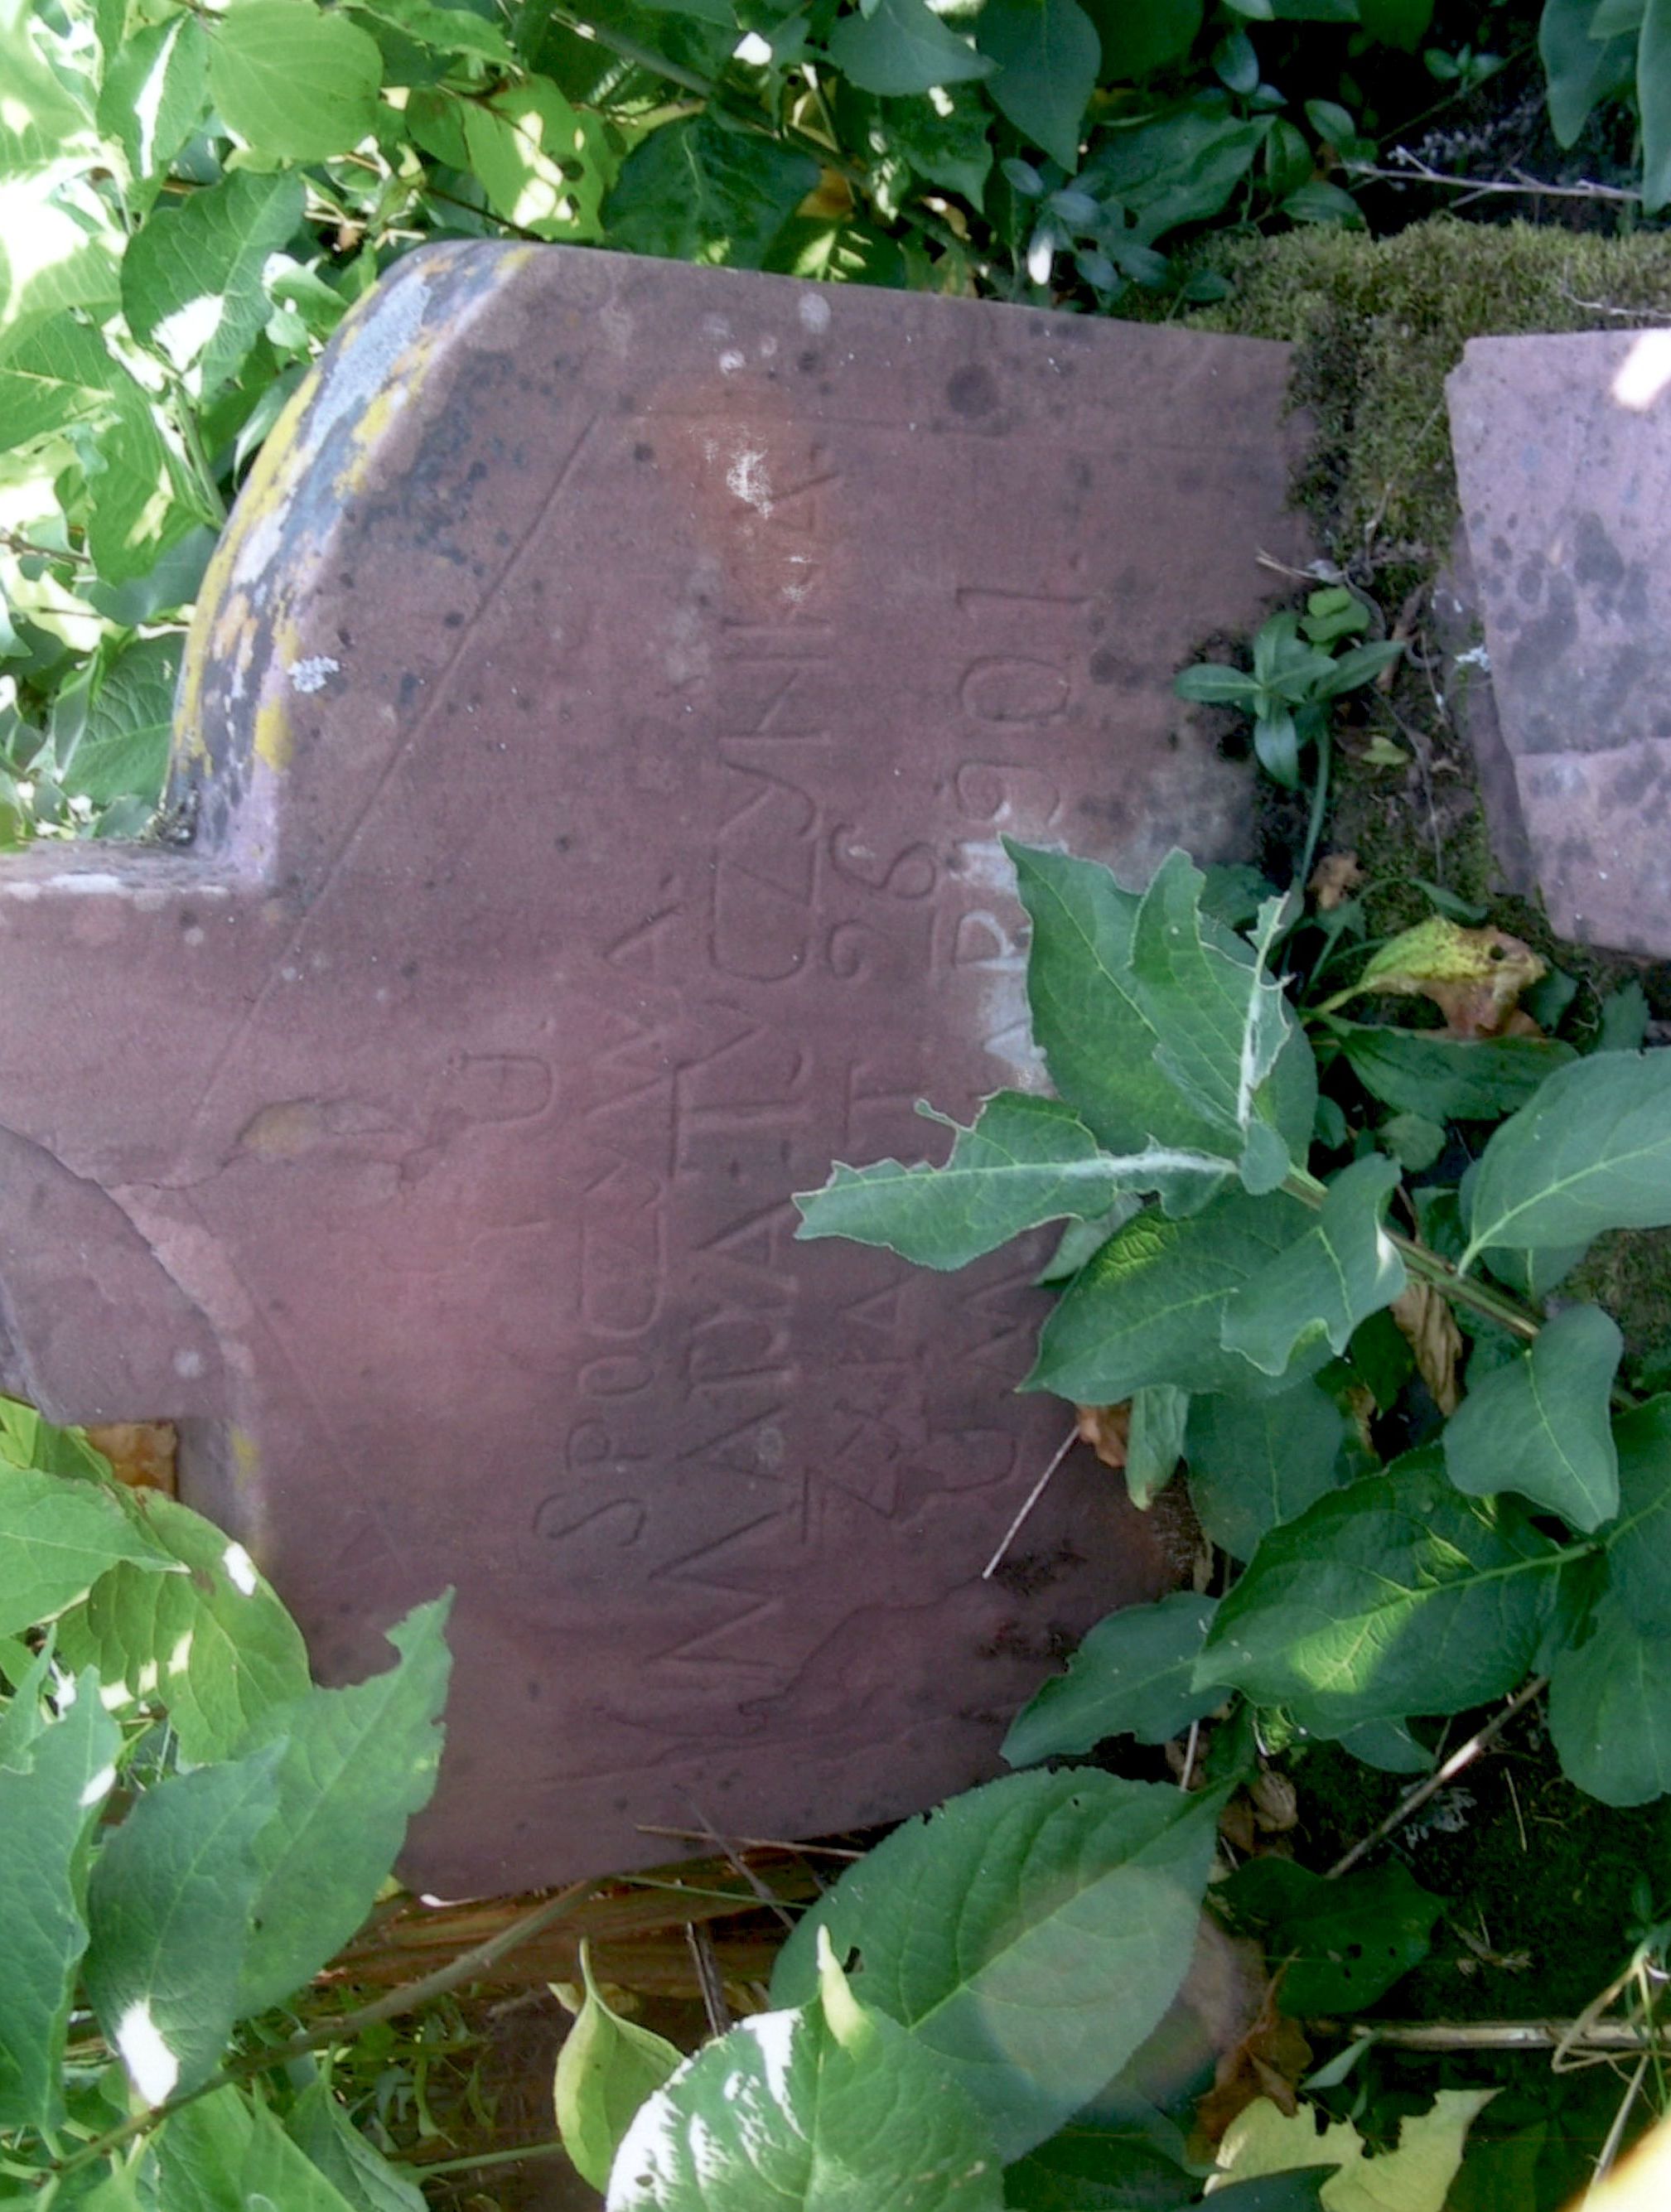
pixel 1599 50
pixel 1372 1595
pixel 190 1829
pixel 1296 672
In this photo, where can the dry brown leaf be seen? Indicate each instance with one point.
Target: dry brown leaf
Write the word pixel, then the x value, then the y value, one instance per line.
pixel 1271 2060
pixel 1474 976
pixel 1275 1801
pixel 1107 1429
pixel 1215 2009
pixel 1334 880
pixel 1429 1328
pixel 140 1452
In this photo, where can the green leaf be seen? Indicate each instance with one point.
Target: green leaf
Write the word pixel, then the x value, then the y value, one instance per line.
pixel 1147 1308
pixel 139 504
pixel 1219 1021
pixel 1624 1024
pixel 58 374
pixel 1389 1745
pixel 1591 1151
pixel 1610 1709
pixel 123 747
pixel 694 191
pixel 837 251
pixel 1342 1943
pixel 1539 1425
pixel 902 46
pixel 192 280
pixel 1139 41
pixel 1025 1161
pixel 226 2153
pixel 47 1812
pixel 1413 1141
pixel 1104 2161
pixel 1099 1021
pixel 292 81
pixel 1579 70
pixel 1653 92
pixel 1133 1675
pixel 212 1644
pixel 358 1762
pixel 153 98
pixel 1048 54
pixel 998 1931
pixel 168 1906
pixel 543 164
pixel 1154 1442
pixel 605 2069
pixel 1342 1270
pixel 953 150
pixel 1256 1462
pixel 27 1440
pixel 447 30
pixel 323 2131
pixel 1099 1042
pixel 45 124
pixel 1393 1597
pixel 829 2107
pixel 1639 1542
pixel 57 1538
pixel 1448 1078
pixel 1210 685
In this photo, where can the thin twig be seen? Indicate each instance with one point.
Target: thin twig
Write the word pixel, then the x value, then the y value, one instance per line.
pixel 1033 1497
pixel 1464 1755
pixel 1604 2164
pixel 1412 170
pixel 755 1843
pixel 1604 2038
pixel 1189 1751
pixel 709 1980
pixel 741 1867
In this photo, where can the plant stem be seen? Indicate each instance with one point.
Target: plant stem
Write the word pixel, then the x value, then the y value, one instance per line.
pixel 515 2156
pixel 468 1965
pixel 1464 1755
pixel 1314 828
pixel 1462 1290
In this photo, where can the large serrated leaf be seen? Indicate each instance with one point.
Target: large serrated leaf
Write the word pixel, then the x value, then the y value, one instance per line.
pixel 1342 1270
pixel 358 1763
pixel 1255 1462
pixel 192 280
pixel 153 98
pixel 168 1908
pixel 1133 1675
pixel 828 2108
pixel 212 1644
pixel 57 1538
pixel 1592 1151
pixel 1540 1424
pixel 1396 1595
pixel 290 79
pixel 1030 1933
pixel 1097 1042
pixel 47 1812
pixel 1219 1021
pixel 1026 1161
pixel 1147 1308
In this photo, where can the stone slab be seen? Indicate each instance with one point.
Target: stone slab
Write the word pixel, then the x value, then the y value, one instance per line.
pixel 598 728
pixel 1563 449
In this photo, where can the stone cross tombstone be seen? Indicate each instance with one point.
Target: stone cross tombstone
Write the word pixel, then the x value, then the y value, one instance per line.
pixel 597 735
pixel 1563 449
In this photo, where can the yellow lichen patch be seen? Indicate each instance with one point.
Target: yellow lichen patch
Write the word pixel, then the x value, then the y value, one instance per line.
pixel 379 412
pixel 273 741
pixel 246 1457
pixel 269 482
